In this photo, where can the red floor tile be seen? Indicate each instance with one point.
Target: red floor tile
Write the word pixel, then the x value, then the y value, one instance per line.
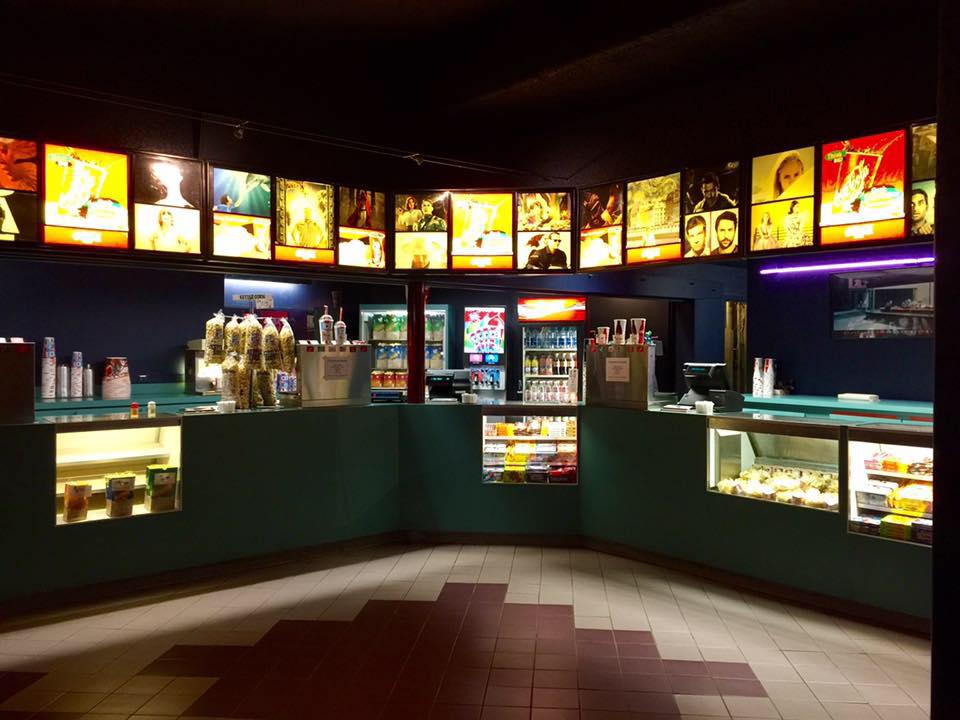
pixel 507 696
pixel 639 682
pixel 685 667
pixel 455 712
pixel 555 698
pixel 13 682
pixel 746 688
pixel 516 645
pixel 646 666
pixel 740 671
pixel 555 678
pixel 598 664
pixel 400 711
pixel 554 714
pixel 518 630
pixel 628 637
pixel 458 693
pixel 553 646
pixel 638 650
pixel 489 593
pixel 522 661
pixel 471 659
pixel 604 715
pixel 511 677
pixel 603 700
pixel 599 680
pixel 648 703
pixel 505 713
pixel 597 649
pixel 692 685
pixel 605 636
pixel 550 661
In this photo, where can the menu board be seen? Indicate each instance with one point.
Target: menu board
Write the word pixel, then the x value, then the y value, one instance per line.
pixel 552 309
pixel 166 204
pixel 18 190
pixel 923 188
pixel 484 329
pixel 861 189
pixel 362 232
pixel 482 231
pixel 544 231
pixel 782 200
pixel 601 226
pixel 241 214
pixel 653 219
pixel 305 213
pixel 711 199
pixel 85 197
pixel 421 238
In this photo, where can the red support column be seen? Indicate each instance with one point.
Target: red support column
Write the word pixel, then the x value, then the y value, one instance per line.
pixel 416 325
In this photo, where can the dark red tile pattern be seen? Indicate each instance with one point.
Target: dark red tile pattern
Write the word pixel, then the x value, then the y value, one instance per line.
pixel 467 656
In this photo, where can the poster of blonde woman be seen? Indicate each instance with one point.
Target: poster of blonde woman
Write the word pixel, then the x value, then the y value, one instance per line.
pixel 482 231
pixel 782 176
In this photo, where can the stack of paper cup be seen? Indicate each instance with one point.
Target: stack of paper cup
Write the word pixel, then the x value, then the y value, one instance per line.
pixel 757 386
pixel 619 331
pixel 76 375
pixel 637 330
pixel 769 377
pixel 48 369
pixel 603 335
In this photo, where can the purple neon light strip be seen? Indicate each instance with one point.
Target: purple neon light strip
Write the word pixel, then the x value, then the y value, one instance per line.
pixel 853 265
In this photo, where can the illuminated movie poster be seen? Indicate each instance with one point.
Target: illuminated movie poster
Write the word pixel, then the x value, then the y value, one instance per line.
pixel 653 219
pixel 18 188
pixel 363 223
pixel 85 197
pixel 707 234
pixel 601 226
pixel 242 193
pixel 543 211
pixel 782 190
pixel 241 236
pixel 924 172
pixel 421 223
pixel 166 210
pixel 484 329
pixel 482 231
pixel 861 189
pixel 543 250
pixel 304 222
pixel 422 212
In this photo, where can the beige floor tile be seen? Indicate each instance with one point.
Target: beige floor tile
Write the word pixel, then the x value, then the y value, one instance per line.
pixel 850 711
pixel 707 705
pixel 75 702
pixel 751 707
pixel 800 709
pixel 788 690
pixel 144 685
pixel 836 692
pixel 30 700
pixel 189 686
pixel 167 704
pixel 118 703
pixel 679 652
pixel 899 712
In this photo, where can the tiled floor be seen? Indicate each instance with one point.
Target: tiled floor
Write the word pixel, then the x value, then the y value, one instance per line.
pixel 465 632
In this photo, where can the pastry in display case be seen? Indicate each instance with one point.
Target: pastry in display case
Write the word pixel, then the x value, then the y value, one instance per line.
pixel 113 466
pixel 789 463
pixel 891 482
pixel 529 445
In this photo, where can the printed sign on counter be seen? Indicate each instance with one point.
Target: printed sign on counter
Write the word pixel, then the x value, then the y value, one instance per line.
pixel 335 368
pixel 618 370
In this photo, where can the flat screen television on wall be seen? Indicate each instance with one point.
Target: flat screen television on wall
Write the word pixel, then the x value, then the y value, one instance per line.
pixel 894 303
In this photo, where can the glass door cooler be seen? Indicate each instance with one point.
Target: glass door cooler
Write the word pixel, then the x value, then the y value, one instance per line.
pixel 530 445
pixel 552 335
pixel 384 327
pixel 891 482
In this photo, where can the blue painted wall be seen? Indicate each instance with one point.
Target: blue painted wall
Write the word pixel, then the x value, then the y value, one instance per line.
pixel 789 318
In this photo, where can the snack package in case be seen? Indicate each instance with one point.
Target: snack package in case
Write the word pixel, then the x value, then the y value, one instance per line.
pixel 923 531
pixel 233 337
pixel 288 347
pixel 897 527
pixel 272 359
pixel 161 494
pixel 76 501
pixel 214 349
pixel 252 343
pixel 119 492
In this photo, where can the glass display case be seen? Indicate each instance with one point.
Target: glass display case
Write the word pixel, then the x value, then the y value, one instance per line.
pixel 890 470
pixel 385 328
pixel 788 462
pixel 113 466
pixel 530 445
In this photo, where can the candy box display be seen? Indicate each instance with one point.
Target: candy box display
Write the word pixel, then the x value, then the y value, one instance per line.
pixel 161 494
pixel 119 494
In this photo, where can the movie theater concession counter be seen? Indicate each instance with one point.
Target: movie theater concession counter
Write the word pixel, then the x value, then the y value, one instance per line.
pixel 803 506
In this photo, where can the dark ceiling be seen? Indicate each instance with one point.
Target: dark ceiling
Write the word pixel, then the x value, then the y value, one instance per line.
pixel 420 75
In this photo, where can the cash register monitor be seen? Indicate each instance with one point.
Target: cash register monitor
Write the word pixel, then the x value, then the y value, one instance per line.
pixel 708 381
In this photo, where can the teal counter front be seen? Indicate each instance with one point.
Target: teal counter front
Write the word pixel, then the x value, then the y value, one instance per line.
pixel 262 482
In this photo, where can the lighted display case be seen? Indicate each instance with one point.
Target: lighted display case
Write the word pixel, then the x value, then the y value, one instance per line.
pixel 530 445
pixel 793 462
pixel 112 466
pixel 385 328
pixel 890 470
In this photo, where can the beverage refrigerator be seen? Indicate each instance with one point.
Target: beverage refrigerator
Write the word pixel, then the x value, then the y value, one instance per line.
pixel 384 327
pixel 553 334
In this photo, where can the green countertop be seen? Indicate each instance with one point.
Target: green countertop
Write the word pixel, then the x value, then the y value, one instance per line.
pixel 169 396
pixel 826 405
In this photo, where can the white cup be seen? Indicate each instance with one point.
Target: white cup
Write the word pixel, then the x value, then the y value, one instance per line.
pixel 704 407
pixel 603 335
pixel 227 406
